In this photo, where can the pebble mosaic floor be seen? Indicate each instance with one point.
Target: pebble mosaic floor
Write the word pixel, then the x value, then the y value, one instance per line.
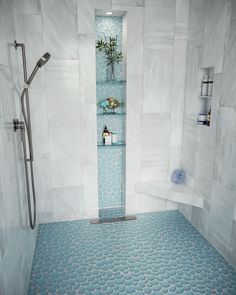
pixel 159 253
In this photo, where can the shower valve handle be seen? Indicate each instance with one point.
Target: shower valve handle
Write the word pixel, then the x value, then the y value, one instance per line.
pixel 18 125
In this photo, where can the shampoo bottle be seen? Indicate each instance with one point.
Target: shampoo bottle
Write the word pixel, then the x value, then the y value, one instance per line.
pixel 204 90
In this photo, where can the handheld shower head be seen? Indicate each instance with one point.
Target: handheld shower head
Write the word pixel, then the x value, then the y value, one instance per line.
pixel 40 63
pixel 43 60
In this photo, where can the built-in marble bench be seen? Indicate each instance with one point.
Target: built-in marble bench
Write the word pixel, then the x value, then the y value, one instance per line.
pixel 174 192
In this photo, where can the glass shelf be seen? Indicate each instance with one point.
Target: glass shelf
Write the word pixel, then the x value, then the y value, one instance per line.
pixel 119 143
pixel 205 96
pixel 111 114
pixel 102 82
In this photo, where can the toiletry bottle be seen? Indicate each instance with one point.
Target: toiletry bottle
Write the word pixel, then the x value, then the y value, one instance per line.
pixel 204 90
pixel 108 139
pixel 104 134
pixel 114 138
pixel 209 117
pixel 210 87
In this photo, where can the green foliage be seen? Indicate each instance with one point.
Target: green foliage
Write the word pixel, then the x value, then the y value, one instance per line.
pixel 109 47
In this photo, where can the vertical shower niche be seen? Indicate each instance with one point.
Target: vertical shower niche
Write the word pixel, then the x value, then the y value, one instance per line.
pixel 111 113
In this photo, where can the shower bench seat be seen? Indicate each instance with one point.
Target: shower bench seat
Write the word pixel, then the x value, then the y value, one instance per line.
pixel 179 193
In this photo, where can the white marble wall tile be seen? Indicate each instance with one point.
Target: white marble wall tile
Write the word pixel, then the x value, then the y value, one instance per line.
pixel 200 219
pixel 134 41
pixel 39 120
pixel 87 68
pixel 90 190
pixel 6 32
pixel 177 111
pixel 133 166
pixel 155 144
pixel 203 170
pixel 157 81
pixel 65 153
pixel 159 23
pixel 60 28
pixel 6 22
pixel 233 10
pixel 221 215
pixel 103 4
pixel 134 110
pixel 155 167
pixel 182 11
pixel 133 141
pixel 2 287
pixel 89 134
pixel 179 63
pixel 228 90
pixel 171 205
pixel 150 204
pixel 233 246
pixel 224 170
pixel 62 74
pixel 189 144
pixel 192 80
pixel 28 28
pixel 174 159
pixel 133 205
pixel 215 30
pixel 181 31
pixel 64 114
pixel 186 211
pixel 68 203
pixel 42 167
pixel 129 3
pixel 196 23
pixel 27 6
pixel 29 31
pixel 155 133
pixel 86 17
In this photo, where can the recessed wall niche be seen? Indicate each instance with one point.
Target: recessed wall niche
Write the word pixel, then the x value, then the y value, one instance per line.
pixel 111 112
pixel 205 95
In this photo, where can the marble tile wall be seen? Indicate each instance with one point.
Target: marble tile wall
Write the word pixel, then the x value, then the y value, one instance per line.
pixel 155 91
pixel 63 100
pixel 64 96
pixel 208 153
pixel 17 241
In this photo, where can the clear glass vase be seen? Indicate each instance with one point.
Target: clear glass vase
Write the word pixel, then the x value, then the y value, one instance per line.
pixel 111 72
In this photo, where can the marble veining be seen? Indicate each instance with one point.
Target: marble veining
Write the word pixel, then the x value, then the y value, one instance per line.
pixel 59 22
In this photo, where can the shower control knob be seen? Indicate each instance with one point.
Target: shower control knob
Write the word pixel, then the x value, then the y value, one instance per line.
pixel 18 125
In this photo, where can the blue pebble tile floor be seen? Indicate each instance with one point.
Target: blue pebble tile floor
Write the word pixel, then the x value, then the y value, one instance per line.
pixel 159 253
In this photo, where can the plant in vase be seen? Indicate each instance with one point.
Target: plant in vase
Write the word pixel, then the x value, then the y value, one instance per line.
pixel 113 55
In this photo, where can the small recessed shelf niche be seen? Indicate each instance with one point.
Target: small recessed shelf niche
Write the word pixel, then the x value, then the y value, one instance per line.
pixel 206 82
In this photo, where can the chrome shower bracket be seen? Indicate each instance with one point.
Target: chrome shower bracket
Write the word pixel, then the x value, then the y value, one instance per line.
pixel 18 125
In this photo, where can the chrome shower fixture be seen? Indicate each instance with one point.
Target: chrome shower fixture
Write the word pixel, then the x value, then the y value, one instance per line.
pixel 25 129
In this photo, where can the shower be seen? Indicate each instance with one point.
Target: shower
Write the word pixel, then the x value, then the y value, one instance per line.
pixel 25 128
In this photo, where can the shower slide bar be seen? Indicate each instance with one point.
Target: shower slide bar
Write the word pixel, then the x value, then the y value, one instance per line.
pixel 26 131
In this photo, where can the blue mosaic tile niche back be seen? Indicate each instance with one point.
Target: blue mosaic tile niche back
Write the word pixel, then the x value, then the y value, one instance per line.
pixel 159 253
pixel 111 160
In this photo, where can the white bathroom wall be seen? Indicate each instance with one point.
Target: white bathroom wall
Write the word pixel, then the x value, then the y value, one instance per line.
pixel 63 105
pixel 17 240
pixel 208 153
pixel 63 99
pixel 155 99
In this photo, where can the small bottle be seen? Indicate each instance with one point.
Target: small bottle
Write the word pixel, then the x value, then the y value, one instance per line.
pixel 209 117
pixel 108 139
pixel 204 88
pixel 114 138
pixel 104 134
pixel 210 87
